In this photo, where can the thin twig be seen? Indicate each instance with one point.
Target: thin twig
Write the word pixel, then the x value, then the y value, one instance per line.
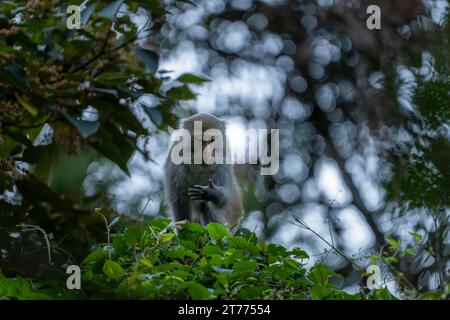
pixel 300 223
pixel 103 48
pixel 145 207
pixel 29 227
pixel 329 216
pixel 98 55
pixel 108 230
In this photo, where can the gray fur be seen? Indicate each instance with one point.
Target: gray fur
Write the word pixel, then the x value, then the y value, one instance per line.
pixel 225 203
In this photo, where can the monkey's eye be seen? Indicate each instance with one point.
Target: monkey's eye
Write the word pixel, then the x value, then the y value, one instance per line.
pixel 213 139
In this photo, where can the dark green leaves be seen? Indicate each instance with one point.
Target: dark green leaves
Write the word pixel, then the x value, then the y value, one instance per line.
pixel 192 232
pixel 298 253
pixel 111 9
pixel 154 7
pixel 19 288
pixel 111 78
pixel 94 257
pixel 321 287
pixel 114 145
pixel 16 76
pixel 211 250
pixel 150 59
pixel 197 291
pixel 87 13
pixel 85 128
pixel 217 231
pixel 244 266
pixel 153 262
pixel 190 78
pixel 33 110
pixel 180 93
pixel 112 269
pixel 51 76
pixel 205 263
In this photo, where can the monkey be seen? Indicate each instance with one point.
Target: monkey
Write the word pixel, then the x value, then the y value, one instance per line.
pixel 203 192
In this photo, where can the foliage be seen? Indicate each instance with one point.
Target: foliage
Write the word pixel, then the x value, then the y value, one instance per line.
pixel 19 288
pixel 420 161
pixel 159 261
pixel 70 97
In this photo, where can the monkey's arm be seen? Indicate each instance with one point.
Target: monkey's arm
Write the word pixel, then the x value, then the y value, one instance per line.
pixel 179 202
pixel 211 192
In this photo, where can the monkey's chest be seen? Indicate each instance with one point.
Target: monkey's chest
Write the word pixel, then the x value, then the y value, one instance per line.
pixel 198 175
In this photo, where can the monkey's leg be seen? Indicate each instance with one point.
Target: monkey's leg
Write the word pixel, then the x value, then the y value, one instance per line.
pixel 181 207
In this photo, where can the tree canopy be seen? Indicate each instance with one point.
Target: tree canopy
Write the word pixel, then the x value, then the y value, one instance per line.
pixel 81 106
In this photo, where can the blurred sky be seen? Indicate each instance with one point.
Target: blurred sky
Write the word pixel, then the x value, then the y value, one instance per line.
pixel 255 87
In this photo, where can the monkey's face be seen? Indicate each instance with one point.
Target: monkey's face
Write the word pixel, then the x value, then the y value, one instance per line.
pixel 207 138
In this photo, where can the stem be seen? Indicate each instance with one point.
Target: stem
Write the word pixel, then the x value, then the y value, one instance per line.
pixel 98 55
pixel 108 231
pixel 103 48
pixel 303 225
pixel 29 227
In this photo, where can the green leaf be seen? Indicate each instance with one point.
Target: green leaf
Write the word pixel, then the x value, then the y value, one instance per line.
pixel 190 78
pixel 219 269
pixel 155 115
pixel 28 106
pixel 166 237
pixel 35 191
pixel 181 93
pixel 122 116
pixel 110 10
pixel 114 145
pixel 197 291
pixel 111 92
pixel 244 266
pixel 160 224
pixel 238 242
pixel 114 221
pixel 277 250
pixel 320 274
pixel 150 58
pixel 192 232
pixel 391 259
pixel 382 294
pixel 211 250
pixel 417 236
pixel 85 128
pixel 394 244
pixel 94 257
pixel 87 13
pixel 248 235
pixel 217 231
pixel 146 262
pixel 111 78
pixel 112 269
pixel 203 263
pixel 154 7
pixel 18 77
pixel 410 251
pixel 298 253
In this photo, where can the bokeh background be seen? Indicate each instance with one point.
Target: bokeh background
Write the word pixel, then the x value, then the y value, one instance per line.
pixel 363 118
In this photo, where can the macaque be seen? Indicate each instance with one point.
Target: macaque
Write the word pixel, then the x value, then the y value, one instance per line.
pixel 202 187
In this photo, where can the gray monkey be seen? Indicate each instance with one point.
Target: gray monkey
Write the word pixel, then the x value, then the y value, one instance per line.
pixel 203 192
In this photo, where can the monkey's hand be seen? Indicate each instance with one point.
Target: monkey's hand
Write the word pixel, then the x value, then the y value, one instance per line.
pixel 206 193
